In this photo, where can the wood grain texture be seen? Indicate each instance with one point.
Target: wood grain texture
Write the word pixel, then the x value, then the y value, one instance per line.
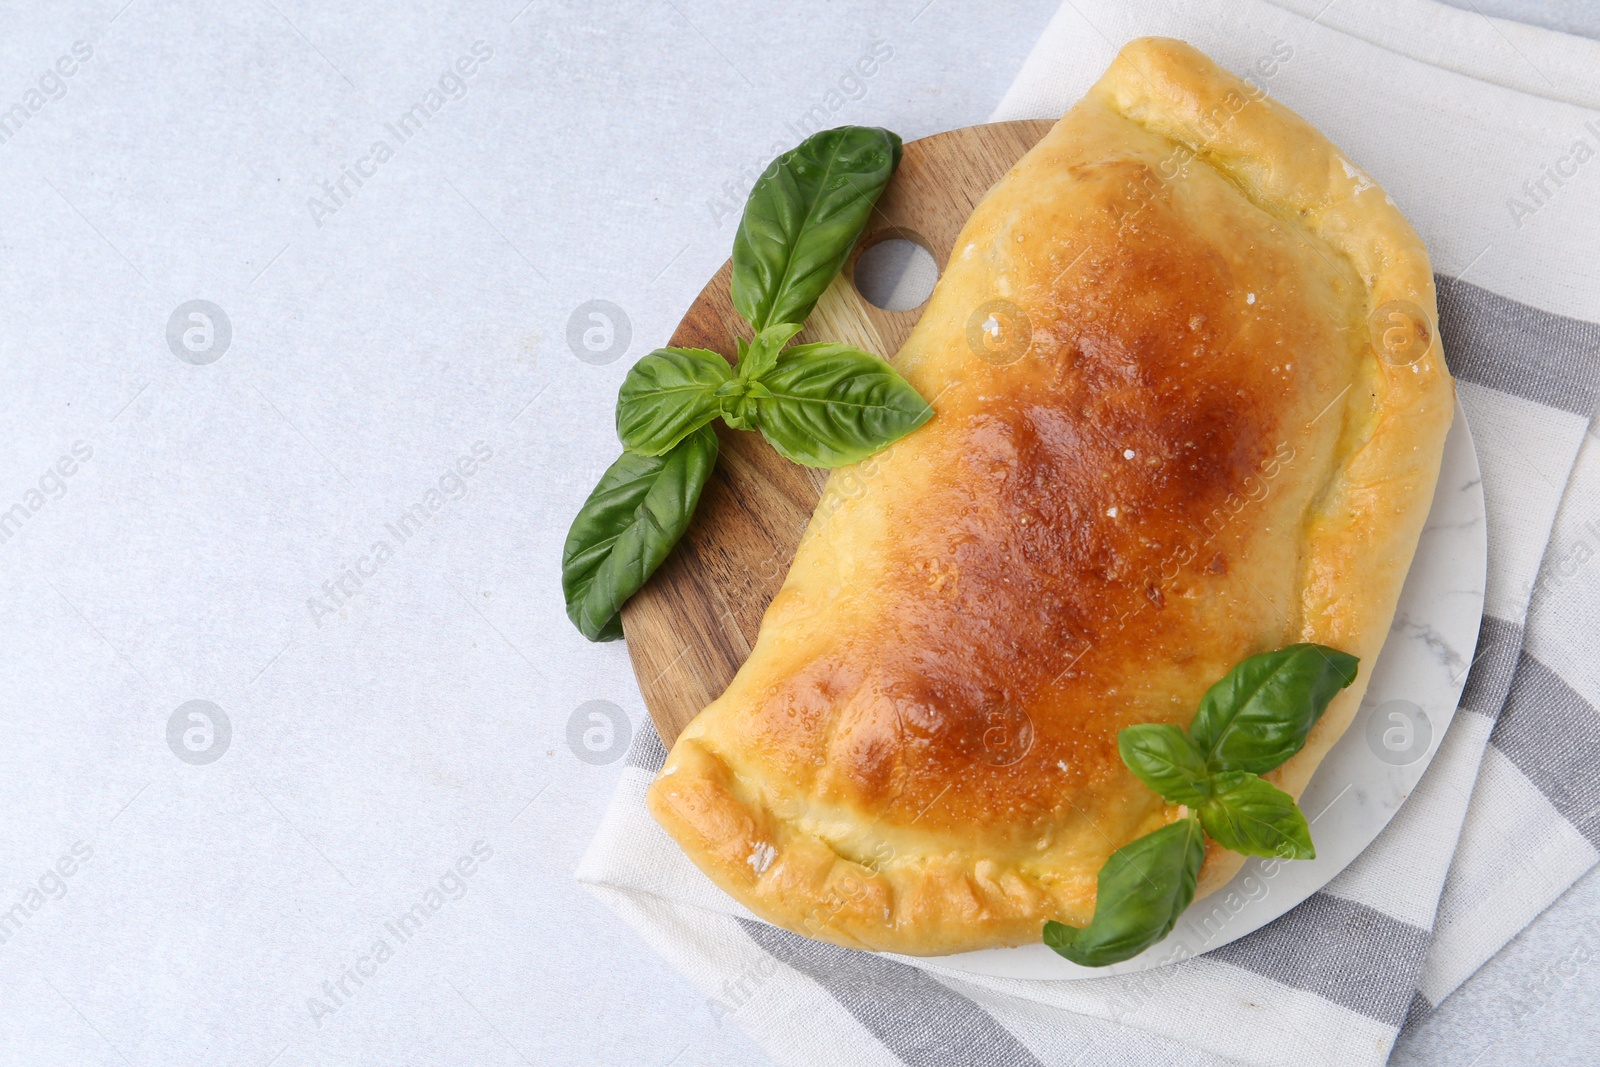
pixel 692 625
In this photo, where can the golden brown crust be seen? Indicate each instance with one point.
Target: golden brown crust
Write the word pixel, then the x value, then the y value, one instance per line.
pixel 1200 457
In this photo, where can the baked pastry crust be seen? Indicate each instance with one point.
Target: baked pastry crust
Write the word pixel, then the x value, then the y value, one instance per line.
pixel 1202 455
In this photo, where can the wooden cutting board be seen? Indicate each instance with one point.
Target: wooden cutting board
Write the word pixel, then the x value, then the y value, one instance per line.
pixel 691 626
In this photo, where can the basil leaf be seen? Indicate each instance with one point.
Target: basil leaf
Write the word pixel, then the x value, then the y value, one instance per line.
pixel 668 395
pixel 762 353
pixel 1166 760
pixel 1257 818
pixel 626 528
pixel 1259 714
pixel 1142 889
pixel 738 399
pixel 828 404
pixel 803 217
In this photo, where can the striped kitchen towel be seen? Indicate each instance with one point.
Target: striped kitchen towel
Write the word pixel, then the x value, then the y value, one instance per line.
pixel 1486 135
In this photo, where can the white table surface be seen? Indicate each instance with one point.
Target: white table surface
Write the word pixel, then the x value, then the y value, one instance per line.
pixel 374 746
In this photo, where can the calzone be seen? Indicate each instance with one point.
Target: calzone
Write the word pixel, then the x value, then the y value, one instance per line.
pixel 1190 406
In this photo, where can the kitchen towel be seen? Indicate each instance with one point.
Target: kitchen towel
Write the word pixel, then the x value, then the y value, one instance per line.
pixel 1486 133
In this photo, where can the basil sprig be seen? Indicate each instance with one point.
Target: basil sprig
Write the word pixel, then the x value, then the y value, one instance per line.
pixel 823 405
pixel 1250 722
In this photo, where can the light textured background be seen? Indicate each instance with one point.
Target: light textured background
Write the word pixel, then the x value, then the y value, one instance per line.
pixel 599 153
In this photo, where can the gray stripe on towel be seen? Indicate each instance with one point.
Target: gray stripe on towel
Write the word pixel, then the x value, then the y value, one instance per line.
pixel 1494 662
pixel 647 752
pixel 1497 342
pixel 1345 952
pixel 1552 735
pixel 923 1022
pixel 1420 1009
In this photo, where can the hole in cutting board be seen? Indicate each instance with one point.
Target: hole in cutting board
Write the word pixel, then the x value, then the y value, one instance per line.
pixel 895 273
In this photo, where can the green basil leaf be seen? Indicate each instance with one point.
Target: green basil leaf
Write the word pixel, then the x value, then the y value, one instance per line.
pixel 830 404
pixel 668 395
pixel 803 217
pixel 626 528
pixel 1166 760
pixel 1256 818
pixel 738 407
pixel 762 353
pixel 1259 714
pixel 1142 889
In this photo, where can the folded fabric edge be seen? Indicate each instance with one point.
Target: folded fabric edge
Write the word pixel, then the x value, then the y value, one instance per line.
pixel 1469 34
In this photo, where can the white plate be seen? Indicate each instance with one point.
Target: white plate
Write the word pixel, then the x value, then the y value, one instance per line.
pixel 1362 782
